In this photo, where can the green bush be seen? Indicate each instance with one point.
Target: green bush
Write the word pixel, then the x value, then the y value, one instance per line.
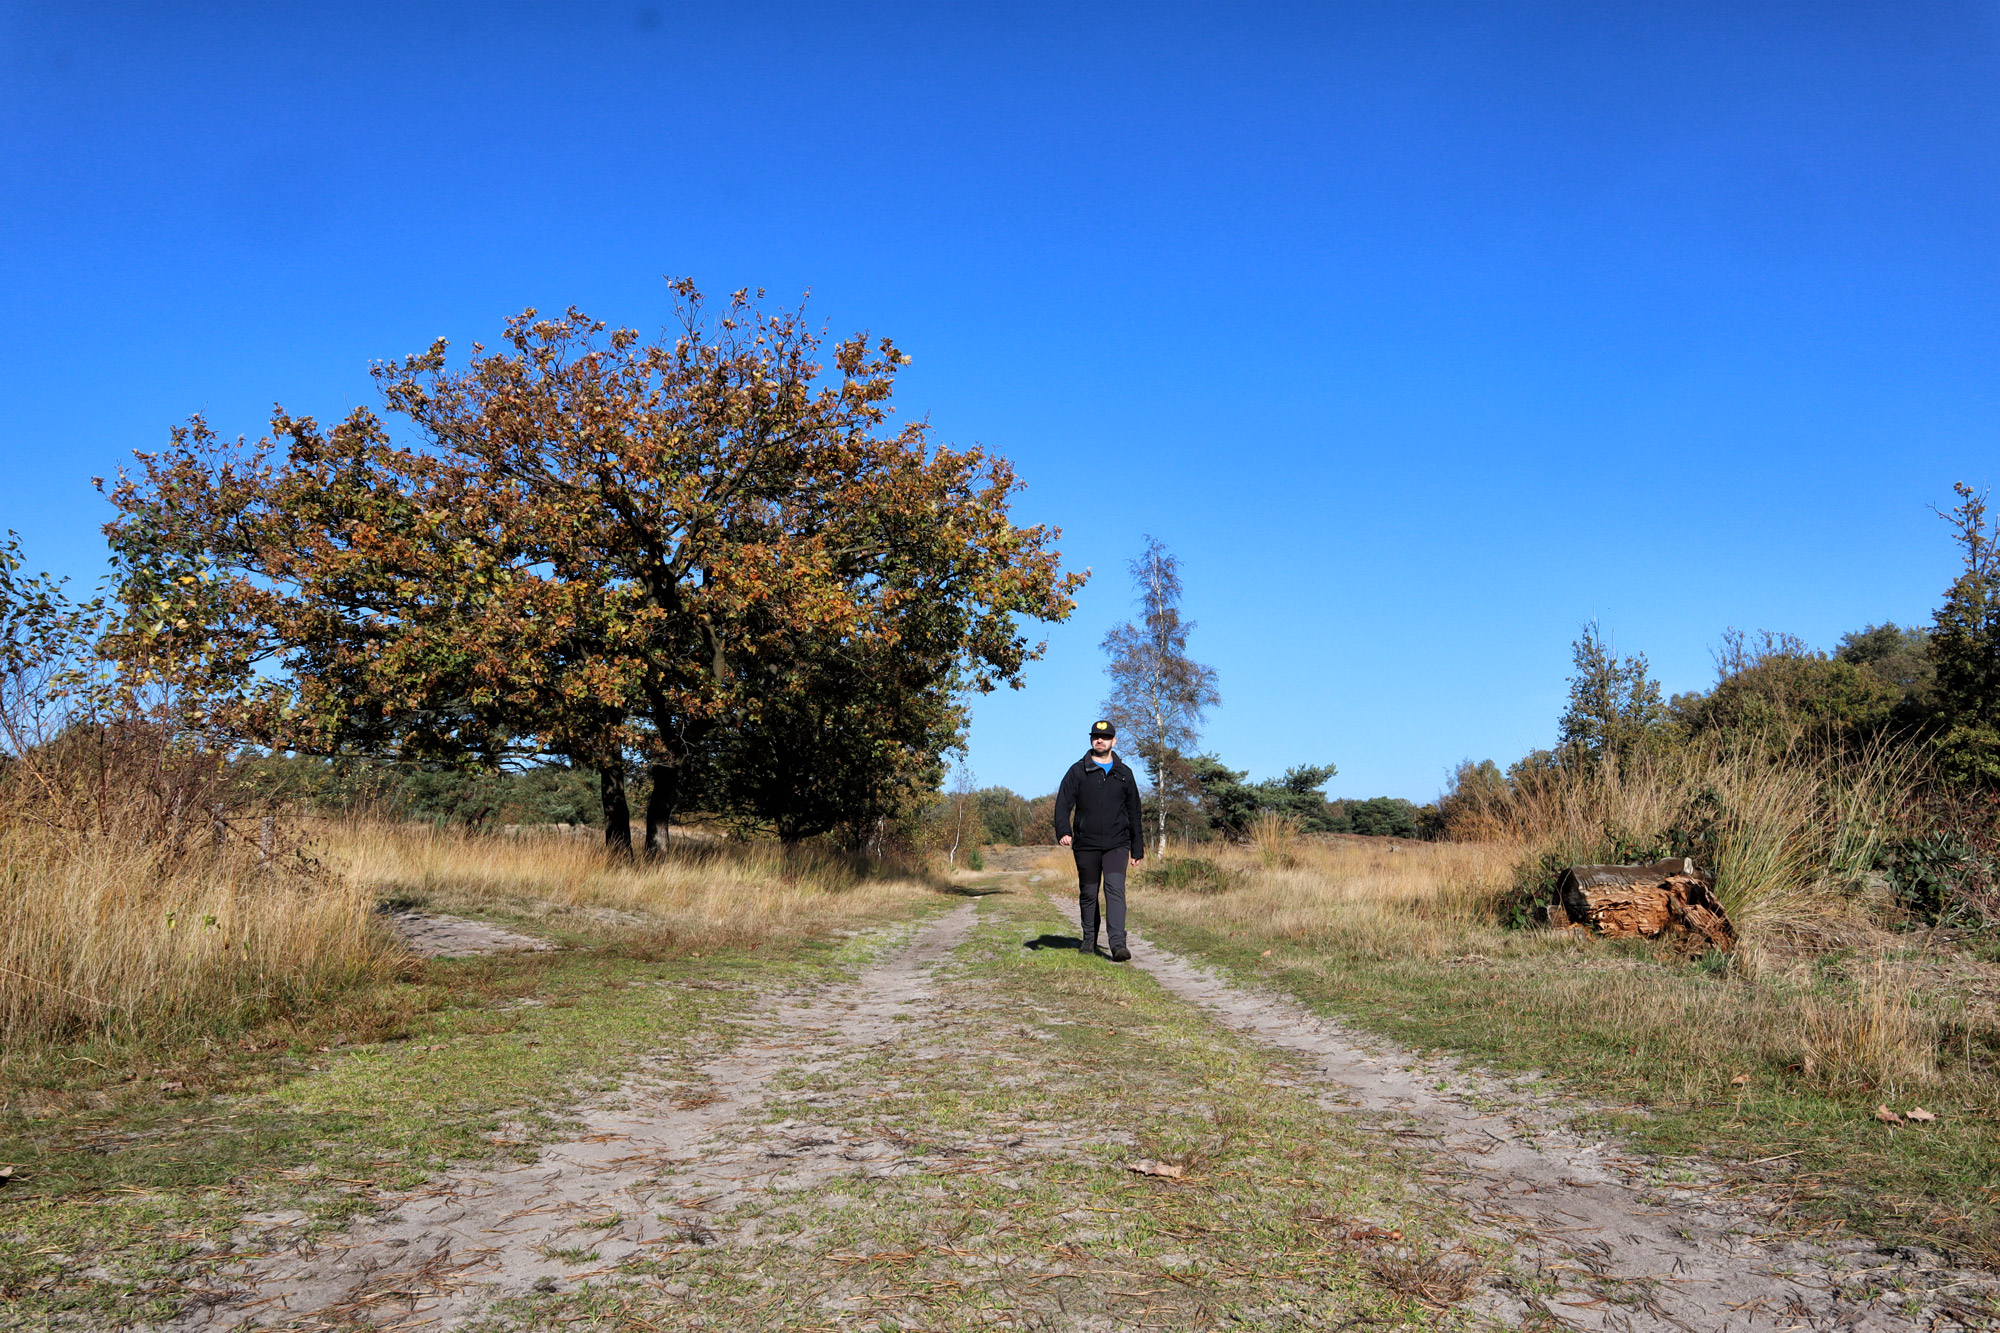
pixel 974 859
pixel 1377 817
pixel 1192 874
pixel 1941 878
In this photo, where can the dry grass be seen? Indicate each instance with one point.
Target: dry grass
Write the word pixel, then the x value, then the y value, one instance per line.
pixel 135 940
pixel 701 895
pixel 1875 1038
pixel 1817 985
pixel 123 918
pixel 1424 912
pixel 134 908
pixel 1436 1279
pixel 1275 838
pixel 1377 895
pixel 102 935
pixel 1789 834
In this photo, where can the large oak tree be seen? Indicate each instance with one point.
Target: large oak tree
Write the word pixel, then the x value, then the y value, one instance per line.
pixel 707 549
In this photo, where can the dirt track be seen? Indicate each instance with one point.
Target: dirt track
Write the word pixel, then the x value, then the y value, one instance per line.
pixel 680 1161
pixel 656 1165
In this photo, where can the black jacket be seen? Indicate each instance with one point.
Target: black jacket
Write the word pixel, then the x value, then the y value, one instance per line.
pixel 1100 810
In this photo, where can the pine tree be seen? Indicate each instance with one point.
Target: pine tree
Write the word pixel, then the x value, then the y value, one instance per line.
pixel 1614 706
pixel 1965 648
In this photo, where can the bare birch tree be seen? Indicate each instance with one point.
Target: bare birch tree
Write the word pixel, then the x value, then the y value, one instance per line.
pixel 964 802
pixel 1158 694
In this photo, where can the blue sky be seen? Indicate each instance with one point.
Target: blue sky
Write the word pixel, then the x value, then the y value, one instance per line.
pixel 1420 333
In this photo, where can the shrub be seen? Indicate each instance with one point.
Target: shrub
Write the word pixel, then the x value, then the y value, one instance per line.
pixel 1190 874
pixel 1791 835
pixel 1942 878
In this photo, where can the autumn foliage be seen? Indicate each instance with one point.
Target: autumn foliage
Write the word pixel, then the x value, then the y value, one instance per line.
pixel 710 556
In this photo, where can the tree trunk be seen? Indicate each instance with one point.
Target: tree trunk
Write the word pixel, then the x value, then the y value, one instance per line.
pixel 660 805
pixel 1160 795
pixel 617 811
pixel 1660 898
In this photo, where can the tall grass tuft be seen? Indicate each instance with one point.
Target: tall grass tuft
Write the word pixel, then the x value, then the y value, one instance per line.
pixel 1275 838
pixel 1789 834
pixel 132 908
pixel 1878 1040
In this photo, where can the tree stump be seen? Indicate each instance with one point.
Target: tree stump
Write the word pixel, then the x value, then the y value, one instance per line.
pixel 1649 901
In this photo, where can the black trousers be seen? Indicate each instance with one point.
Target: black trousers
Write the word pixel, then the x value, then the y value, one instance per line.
pixel 1093 865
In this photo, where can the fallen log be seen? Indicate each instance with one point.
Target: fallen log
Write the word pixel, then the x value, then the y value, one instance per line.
pixel 1649 901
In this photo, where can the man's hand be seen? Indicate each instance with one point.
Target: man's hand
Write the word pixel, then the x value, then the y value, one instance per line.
pixel 1137 859
pixel 1065 839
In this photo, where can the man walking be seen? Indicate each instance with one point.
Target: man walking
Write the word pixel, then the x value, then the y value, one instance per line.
pixel 1097 818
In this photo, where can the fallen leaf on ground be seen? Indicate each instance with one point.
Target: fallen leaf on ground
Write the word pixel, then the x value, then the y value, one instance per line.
pixel 170 1087
pixel 1265 954
pixel 6 1174
pixel 1740 1078
pixel 1146 1166
pixel 1887 1117
pixel 1918 1113
pixel 1375 1233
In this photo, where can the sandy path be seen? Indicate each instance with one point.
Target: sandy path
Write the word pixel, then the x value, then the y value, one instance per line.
pixel 655 1163
pixel 1607 1244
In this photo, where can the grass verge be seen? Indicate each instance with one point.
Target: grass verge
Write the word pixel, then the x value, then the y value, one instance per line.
pixel 1776 1074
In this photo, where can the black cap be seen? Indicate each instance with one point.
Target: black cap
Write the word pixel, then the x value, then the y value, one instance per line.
pixel 1101 730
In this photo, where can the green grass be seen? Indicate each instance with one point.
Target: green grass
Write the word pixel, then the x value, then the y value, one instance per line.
pixel 1817 1148
pixel 130 1189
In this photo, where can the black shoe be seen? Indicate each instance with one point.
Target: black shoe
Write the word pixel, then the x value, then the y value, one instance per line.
pixel 1121 954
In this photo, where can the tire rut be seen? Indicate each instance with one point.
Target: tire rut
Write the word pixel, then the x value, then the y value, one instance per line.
pixel 1597 1239
pixel 656 1161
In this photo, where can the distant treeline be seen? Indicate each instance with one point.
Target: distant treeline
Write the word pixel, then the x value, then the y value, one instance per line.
pixel 1225 805
pixel 1882 685
pixel 544 794
pixel 1878 681
pixel 557 794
